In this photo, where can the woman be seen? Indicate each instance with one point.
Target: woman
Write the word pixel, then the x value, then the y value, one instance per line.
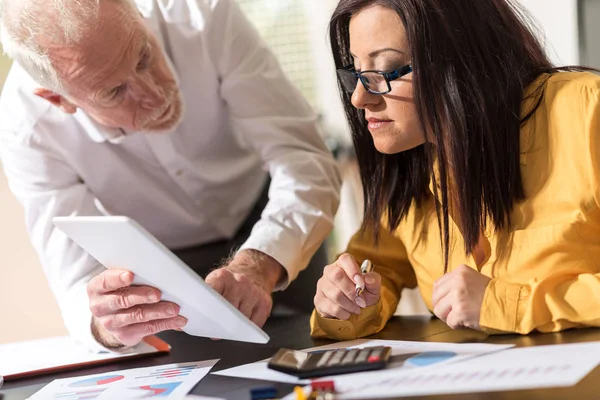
pixel 480 163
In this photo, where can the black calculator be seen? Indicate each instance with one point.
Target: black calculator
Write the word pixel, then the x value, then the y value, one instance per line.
pixel 329 362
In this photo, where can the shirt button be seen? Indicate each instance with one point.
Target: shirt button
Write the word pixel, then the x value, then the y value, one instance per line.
pixel 179 172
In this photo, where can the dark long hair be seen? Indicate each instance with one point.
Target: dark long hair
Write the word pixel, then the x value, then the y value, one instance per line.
pixel 472 61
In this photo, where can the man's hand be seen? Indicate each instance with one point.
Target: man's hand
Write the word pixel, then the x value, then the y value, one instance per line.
pixel 123 314
pixel 247 282
pixel 457 297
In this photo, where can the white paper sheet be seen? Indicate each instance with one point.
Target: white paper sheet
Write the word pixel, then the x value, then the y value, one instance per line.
pixel 406 356
pixel 514 369
pixel 35 355
pixel 172 381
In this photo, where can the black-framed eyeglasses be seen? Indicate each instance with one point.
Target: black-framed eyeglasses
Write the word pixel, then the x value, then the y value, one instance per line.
pixel 376 82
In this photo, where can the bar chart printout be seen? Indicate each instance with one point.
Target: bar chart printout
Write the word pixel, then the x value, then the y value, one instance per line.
pixel 166 381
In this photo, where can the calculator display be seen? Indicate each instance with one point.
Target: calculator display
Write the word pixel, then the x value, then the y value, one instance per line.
pixel 293 359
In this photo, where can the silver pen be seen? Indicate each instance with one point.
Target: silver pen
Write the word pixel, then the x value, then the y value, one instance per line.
pixel 365 268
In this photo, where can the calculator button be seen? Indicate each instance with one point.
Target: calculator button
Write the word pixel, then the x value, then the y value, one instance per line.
pixel 362 356
pixel 377 352
pixel 337 357
pixel 374 359
pixel 349 357
pixel 323 360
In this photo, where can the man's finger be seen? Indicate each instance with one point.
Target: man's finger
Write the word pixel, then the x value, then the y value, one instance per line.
pixel 234 295
pixel 133 334
pixel 139 314
pixel 109 281
pixel 218 280
pixel 123 298
pixel 261 312
pixel 246 306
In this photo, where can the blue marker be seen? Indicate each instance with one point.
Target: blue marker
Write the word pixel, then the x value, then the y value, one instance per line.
pixel 263 393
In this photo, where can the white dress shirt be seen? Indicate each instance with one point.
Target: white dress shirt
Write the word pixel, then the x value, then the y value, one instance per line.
pixel 197 184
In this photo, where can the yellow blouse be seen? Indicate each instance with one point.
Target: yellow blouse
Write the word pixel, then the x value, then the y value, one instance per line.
pixel 545 269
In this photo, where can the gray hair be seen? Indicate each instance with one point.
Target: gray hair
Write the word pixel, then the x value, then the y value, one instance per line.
pixel 28 28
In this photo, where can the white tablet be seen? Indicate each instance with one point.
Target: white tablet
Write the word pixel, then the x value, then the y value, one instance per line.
pixel 120 242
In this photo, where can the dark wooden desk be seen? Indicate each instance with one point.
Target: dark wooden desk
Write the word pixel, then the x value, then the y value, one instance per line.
pixel 292 332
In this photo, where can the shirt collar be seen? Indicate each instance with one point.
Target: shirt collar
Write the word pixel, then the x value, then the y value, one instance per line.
pixel 97 132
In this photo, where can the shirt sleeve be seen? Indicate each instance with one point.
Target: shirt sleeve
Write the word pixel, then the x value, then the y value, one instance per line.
pixel 390 260
pixel 47 187
pixel 568 295
pixel 270 116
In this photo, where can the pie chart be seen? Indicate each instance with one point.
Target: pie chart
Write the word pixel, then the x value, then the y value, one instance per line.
pixel 97 381
pixel 430 357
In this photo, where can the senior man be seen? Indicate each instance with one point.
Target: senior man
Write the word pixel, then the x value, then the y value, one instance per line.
pixel 92 122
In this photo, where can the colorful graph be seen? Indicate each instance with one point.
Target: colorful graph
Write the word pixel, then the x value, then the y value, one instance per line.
pixel 430 357
pixel 165 373
pixel 160 389
pixel 79 395
pixel 97 381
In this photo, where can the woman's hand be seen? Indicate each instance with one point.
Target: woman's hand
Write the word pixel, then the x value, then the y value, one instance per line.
pixel 457 297
pixel 336 290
